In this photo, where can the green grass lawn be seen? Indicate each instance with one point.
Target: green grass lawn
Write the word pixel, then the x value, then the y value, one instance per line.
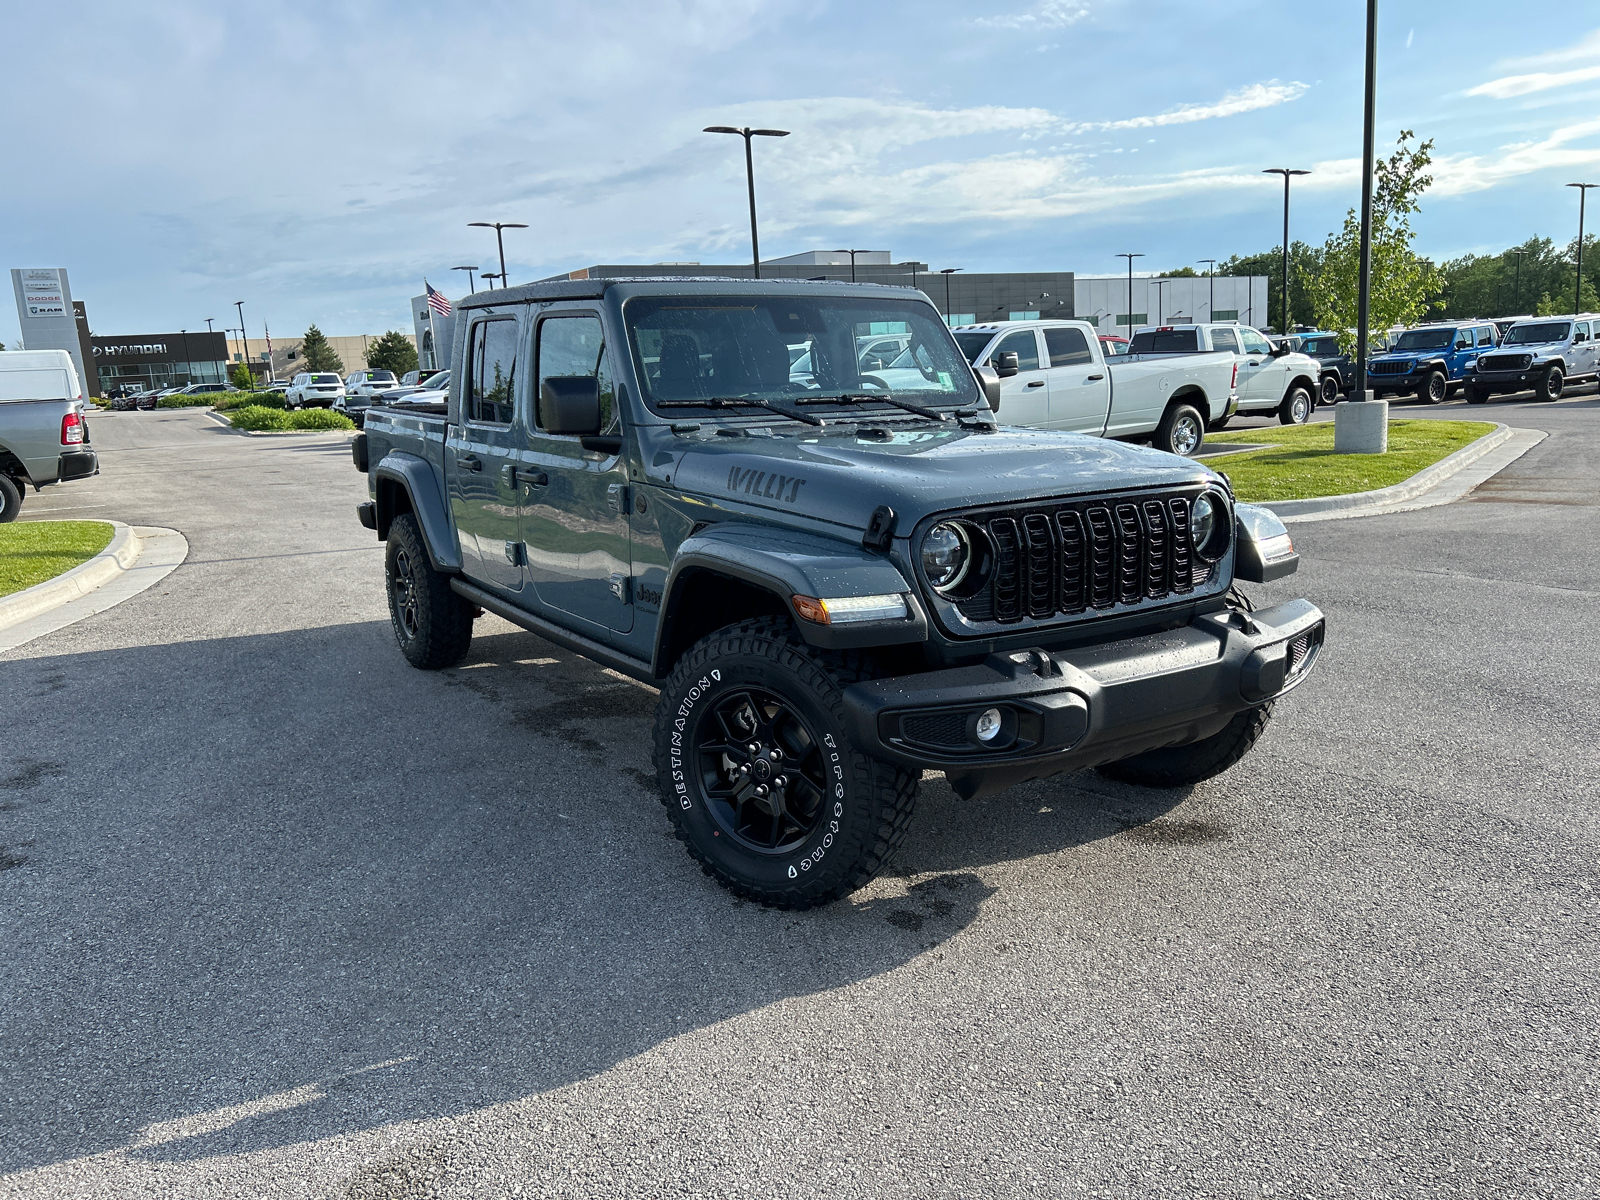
pixel 33 551
pixel 1302 463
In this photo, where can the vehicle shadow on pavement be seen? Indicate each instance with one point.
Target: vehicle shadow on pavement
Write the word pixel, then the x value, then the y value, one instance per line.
pixel 321 892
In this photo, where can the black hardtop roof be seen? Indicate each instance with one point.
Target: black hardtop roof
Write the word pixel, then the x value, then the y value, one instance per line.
pixel 674 285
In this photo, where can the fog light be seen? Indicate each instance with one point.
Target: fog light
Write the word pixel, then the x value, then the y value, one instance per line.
pixel 988 725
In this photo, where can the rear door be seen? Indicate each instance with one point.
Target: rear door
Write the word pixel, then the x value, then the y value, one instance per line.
pixel 481 455
pixel 1080 392
pixel 1583 349
pixel 576 502
pixel 1025 396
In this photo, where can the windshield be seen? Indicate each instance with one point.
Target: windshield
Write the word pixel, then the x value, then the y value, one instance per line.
pixel 1544 331
pixel 1425 339
pixel 690 349
pixel 972 344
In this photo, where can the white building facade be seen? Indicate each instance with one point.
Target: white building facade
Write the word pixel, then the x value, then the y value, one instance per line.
pixel 1158 300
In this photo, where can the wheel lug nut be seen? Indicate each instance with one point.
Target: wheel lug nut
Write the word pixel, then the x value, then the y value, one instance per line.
pixel 781 782
pixel 761 789
pixel 753 748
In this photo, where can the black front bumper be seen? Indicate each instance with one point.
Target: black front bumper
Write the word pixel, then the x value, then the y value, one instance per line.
pixel 1064 710
pixel 1509 381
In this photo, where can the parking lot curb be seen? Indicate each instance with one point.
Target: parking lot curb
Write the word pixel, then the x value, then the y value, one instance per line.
pixel 136 558
pixel 1423 481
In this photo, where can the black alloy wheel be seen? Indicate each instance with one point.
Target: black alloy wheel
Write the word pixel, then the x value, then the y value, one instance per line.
pixel 1434 389
pixel 405 603
pixel 1330 389
pixel 1550 385
pixel 760 770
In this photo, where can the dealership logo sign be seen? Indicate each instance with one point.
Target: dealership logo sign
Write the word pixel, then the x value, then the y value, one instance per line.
pixel 131 348
pixel 42 293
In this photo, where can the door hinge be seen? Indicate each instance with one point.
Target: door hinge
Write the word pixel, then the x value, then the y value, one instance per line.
pixel 516 554
pixel 622 588
pixel 617 497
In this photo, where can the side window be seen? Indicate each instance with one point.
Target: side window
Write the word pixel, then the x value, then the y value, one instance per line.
pixel 1067 346
pixel 1254 343
pixel 492 372
pixel 1582 332
pixel 1223 339
pixel 576 346
pixel 1486 336
pixel 1463 339
pixel 1024 345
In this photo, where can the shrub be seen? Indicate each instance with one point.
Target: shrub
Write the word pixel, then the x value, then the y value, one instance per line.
pixel 232 400
pixel 198 401
pixel 258 418
pixel 319 418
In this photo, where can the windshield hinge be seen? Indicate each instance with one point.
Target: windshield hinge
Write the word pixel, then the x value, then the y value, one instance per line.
pixel 880 529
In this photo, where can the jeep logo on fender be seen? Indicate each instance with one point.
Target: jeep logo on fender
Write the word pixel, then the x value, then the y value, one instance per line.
pixel 766 484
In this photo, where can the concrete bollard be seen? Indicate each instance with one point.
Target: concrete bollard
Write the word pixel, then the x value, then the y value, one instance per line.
pixel 1361 427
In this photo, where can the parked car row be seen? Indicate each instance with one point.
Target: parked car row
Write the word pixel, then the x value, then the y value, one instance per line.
pixel 146 400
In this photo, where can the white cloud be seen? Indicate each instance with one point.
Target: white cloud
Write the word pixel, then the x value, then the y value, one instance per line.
pixel 1457 174
pixel 1510 86
pixel 1049 14
pixel 1247 99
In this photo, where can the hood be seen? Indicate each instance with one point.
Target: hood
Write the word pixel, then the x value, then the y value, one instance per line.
pixel 841 479
pixel 1534 348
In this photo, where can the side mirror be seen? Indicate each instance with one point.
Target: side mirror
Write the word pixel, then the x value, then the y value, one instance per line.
pixel 989 380
pixel 1006 364
pixel 570 404
pixel 1281 349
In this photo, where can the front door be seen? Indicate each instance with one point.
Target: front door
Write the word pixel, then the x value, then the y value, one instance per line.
pixel 1080 392
pixel 576 502
pixel 1025 396
pixel 481 455
pixel 1262 378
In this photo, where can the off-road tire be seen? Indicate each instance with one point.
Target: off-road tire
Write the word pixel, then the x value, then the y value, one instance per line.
pixel 1297 407
pixel 1476 395
pixel 1180 424
pixel 866 810
pixel 1330 389
pixel 432 625
pixel 1435 388
pixel 1550 384
pixel 10 499
pixel 1180 766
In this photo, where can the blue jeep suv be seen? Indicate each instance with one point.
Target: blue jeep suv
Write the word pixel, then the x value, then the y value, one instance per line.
pixel 1431 360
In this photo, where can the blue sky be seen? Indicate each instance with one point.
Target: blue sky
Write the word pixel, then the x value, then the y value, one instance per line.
pixel 316 160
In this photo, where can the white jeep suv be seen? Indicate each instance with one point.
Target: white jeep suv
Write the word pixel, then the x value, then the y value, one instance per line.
pixel 314 389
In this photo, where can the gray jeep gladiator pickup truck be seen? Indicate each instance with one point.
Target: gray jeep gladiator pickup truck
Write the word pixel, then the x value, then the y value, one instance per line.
pixel 836 580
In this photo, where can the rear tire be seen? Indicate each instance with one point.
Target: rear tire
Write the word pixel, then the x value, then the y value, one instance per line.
pixel 1435 388
pixel 1182 431
pixel 837 817
pixel 1180 766
pixel 10 499
pixel 1296 408
pixel 1550 385
pixel 432 625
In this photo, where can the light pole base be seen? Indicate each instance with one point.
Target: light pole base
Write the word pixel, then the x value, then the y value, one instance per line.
pixel 1361 426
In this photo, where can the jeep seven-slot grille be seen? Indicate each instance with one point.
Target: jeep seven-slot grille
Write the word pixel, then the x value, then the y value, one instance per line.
pixel 1505 362
pixel 1068 559
pixel 1389 368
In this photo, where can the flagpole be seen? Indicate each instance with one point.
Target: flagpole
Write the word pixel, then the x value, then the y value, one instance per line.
pixel 272 376
pixel 433 328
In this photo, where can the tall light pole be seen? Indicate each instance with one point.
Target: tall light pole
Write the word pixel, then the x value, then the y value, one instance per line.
pixel 1161 308
pixel 1286 173
pixel 1368 137
pixel 1516 295
pixel 747 133
pixel 188 367
pixel 852 254
pixel 499 239
pixel 488 275
pixel 1577 291
pixel 469 271
pixel 208 324
pixel 1130 258
pixel 1211 274
pixel 244 337
pixel 947 272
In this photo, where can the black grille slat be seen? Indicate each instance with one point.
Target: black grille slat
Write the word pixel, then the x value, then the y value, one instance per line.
pixel 1007 586
pixel 1157 550
pixel 1102 549
pixel 1130 555
pixel 1182 552
pixel 1069 526
pixel 1040 585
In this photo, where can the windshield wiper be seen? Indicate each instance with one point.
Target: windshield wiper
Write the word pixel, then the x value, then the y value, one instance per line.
pixel 922 410
pixel 743 402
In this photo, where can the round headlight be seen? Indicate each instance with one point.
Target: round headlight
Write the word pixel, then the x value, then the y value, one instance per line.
pixel 946 554
pixel 1208 526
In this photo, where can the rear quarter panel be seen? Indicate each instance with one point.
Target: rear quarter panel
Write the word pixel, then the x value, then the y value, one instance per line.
pixel 30 432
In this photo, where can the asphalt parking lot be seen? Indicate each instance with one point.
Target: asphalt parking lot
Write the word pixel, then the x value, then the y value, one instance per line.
pixel 285 917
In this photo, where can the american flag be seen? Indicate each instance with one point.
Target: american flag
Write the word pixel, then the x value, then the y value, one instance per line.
pixel 436 300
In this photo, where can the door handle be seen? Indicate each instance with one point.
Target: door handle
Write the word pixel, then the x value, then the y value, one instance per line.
pixel 1036 383
pixel 1256 362
pixel 470 462
pixel 1092 378
pixel 530 478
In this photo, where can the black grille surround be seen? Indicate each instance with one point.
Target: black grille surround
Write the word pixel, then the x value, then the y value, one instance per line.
pixel 1390 368
pixel 1056 561
pixel 1505 362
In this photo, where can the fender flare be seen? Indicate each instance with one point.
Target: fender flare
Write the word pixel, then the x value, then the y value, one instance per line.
pixel 786 563
pixel 416 478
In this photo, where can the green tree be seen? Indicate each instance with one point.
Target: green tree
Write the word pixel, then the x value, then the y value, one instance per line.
pixel 1402 283
pixel 392 352
pixel 1304 260
pixel 239 375
pixel 1491 285
pixel 318 354
pixel 1181 273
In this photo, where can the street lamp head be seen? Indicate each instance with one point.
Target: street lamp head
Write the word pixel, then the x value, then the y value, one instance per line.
pixel 722 129
pixel 769 133
pixel 463 268
pixel 1583 185
pixel 950 270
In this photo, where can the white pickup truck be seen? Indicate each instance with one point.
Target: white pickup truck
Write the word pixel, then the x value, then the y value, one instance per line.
pixel 1053 375
pixel 1270 380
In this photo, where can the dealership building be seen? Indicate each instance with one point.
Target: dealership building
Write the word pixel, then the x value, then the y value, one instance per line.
pixel 135 361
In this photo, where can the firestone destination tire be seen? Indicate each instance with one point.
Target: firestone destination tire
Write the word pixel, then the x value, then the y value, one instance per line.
pixel 432 625
pixel 1180 766
pixel 760 777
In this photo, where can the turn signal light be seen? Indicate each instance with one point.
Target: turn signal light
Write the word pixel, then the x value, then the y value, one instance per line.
pixel 848 610
pixel 72 429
